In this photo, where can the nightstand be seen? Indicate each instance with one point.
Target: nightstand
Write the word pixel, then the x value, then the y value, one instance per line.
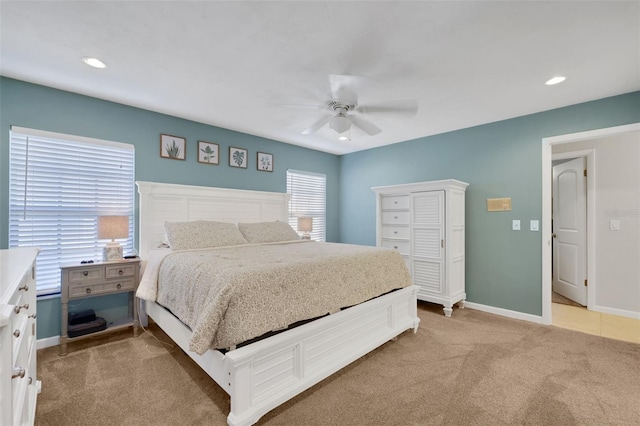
pixel 99 279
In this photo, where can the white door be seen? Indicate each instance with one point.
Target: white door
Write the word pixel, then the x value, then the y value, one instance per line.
pixel 569 230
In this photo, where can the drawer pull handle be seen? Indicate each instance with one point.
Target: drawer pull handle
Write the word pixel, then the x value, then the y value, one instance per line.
pixel 395 202
pixel 32 316
pixel 17 309
pixel 395 247
pixel 395 217
pixel 88 290
pixel 18 372
pixel 85 273
pixel 119 286
pixel 395 232
pixel 120 272
pixel 16 333
pixel 23 288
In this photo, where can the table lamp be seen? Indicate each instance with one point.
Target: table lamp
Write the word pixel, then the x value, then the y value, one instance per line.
pixel 305 225
pixel 112 227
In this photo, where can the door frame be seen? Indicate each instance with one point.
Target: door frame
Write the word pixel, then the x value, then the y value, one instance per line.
pixel 547 144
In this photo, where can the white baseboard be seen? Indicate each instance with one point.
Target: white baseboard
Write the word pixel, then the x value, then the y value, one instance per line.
pixel 504 312
pixel 614 311
pixel 47 342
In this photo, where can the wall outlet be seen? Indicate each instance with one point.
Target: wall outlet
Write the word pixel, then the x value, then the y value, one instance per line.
pixel 534 225
pixel 515 225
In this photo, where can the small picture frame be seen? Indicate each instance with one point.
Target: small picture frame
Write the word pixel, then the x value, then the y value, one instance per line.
pixel 173 147
pixel 208 153
pixel 237 157
pixel 264 162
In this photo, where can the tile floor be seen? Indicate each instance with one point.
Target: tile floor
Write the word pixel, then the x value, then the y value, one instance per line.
pixel 600 324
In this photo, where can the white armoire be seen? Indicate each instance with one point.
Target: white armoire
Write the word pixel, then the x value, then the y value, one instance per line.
pixel 425 222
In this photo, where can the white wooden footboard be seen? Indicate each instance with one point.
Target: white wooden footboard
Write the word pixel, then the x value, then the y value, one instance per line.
pixel 260 376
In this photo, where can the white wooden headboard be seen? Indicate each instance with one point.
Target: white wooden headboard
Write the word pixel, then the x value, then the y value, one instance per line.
pixel 160 202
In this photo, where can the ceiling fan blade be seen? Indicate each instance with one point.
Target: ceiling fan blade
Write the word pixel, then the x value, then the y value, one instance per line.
pixel 344 87
pixel 408 106
pixel 366 126
pixel 301 106
pixel 317 125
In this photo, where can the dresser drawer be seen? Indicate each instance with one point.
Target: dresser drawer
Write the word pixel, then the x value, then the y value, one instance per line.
pixel 86 274
pixel 395 218
pixel 112 286
pixel 120 271
pixel 395 202
pixel 401 246
pixel 401 232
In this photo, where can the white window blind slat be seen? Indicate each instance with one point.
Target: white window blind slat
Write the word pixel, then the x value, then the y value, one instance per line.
pixel 308 199
pixel 59 185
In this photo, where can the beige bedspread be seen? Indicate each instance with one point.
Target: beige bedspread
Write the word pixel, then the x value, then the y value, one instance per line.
pixel 233 294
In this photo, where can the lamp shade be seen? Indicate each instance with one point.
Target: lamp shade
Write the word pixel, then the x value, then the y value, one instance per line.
pixel 305 224
pixel 112 227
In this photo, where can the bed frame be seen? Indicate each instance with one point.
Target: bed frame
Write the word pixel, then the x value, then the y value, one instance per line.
pixel 262 375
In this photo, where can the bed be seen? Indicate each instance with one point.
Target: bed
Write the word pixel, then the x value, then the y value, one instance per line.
pixel 263 374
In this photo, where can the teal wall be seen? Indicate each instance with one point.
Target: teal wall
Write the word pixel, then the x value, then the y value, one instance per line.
pixel 501 159
pixel 39 107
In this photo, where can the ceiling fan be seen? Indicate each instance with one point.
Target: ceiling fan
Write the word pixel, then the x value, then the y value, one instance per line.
pixel 342 109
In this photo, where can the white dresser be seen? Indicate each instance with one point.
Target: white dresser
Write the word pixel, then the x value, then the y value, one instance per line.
pixel 18 385
pixel 425 222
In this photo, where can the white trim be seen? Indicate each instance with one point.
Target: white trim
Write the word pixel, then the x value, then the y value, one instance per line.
pixel 65 137
pixel 47 342
pixel 504 312
pixel 547 144
pixel 618 312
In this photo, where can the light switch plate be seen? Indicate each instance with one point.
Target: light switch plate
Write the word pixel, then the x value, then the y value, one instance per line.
pixel 515 225
pixel 534 225
pixel 614 225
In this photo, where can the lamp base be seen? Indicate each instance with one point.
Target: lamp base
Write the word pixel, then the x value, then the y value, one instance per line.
pixel 112 251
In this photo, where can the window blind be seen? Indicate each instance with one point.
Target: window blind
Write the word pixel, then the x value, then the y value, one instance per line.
pixel 59 185
pixel 308 195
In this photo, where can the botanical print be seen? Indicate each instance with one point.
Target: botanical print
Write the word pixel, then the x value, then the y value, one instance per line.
pixel 208 152
pixel 173 147
pixel 265 162
pixel 237 157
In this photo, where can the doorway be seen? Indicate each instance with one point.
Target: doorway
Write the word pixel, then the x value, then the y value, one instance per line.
pixel 547 144
pixel 569 228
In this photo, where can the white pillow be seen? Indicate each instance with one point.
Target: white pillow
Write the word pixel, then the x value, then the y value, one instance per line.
pixel 268 232
pixel 202 234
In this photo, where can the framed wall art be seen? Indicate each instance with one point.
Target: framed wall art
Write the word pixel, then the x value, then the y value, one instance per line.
pixel 173 147
pixel 237 157
pixel 208 153
pixel 265 162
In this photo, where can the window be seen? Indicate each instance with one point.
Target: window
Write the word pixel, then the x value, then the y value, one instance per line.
pixel 59 185
pixel 308 199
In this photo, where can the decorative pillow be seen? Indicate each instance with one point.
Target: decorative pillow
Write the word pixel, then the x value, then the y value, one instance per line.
pixel 202 234
pixel 268 232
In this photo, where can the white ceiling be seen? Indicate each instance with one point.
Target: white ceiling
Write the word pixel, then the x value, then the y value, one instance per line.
pixel 234 64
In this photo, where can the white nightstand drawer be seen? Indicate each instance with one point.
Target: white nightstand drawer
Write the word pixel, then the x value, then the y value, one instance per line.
pixel 401 246
pixel 395 202
pixel 401 232
pixel 114 286
pixel 395 218
pixel 86 274
pixel 120 271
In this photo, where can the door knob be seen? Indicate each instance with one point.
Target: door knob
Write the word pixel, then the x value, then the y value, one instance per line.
pixel 554 235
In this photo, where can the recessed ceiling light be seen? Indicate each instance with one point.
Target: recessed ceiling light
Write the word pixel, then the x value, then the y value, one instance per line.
pixel 94 62
pixel 555 80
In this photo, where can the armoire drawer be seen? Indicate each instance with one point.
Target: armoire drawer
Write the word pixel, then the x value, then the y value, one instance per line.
pixel 401 246
pixel 395 218
pixel 401 232
pixel 396 202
